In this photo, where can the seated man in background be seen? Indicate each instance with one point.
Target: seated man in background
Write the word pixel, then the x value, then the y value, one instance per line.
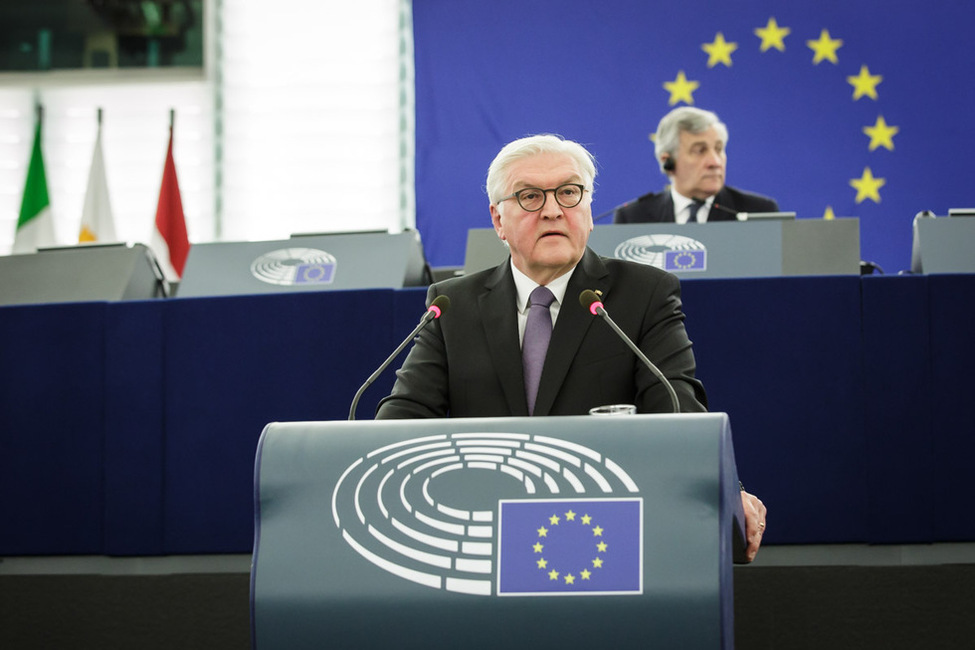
pixel 690 149
pixel 476 360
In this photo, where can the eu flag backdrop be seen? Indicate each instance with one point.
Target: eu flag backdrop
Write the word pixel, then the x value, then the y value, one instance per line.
pixel 846 109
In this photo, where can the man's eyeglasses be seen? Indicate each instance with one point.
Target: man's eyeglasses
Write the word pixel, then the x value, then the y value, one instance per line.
pixel 531 199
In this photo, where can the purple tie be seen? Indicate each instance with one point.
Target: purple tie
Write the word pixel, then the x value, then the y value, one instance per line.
pixel 538 331
pixel 695 206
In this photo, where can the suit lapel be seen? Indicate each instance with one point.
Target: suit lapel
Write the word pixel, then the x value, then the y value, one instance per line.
pixel 498 315
pixel 669 206
pixel 570 329
pixel 724 197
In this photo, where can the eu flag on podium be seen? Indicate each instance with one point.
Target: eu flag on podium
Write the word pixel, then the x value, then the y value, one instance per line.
pixel 561 547
pixel 685 260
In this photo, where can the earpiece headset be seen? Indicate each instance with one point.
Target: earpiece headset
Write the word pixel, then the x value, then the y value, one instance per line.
pixel 668 164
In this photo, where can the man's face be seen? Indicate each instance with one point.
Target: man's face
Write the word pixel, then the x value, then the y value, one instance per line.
pixel 546 243
pixel 700 164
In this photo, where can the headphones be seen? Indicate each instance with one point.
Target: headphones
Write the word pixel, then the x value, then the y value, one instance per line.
pixel 669 164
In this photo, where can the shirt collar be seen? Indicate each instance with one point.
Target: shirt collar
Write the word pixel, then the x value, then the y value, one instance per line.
pixel 681 202
pixel 524 285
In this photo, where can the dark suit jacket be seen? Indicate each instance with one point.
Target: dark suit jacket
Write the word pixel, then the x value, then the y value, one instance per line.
pixel 659 206
pixel 468 362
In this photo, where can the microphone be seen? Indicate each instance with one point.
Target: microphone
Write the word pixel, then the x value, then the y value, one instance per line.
pixel 590 300
pixel 741 216
pixel 434 311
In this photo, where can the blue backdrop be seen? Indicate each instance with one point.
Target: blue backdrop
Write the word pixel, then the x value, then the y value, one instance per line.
pixel 487 73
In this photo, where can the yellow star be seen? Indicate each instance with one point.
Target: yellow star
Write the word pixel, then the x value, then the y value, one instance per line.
pixel 597 531
pixel 541 562
pixel 86 235
pixel 538 547
pixel 825 48
pixel 543 531
pixel 867 186
pixel 865 83
pixel 772 36
pixel 601 547
pixel 570 579
pixel 829 215
pixel 570 516
pixel 680 89
pixel 585 573
pixel 597 563
pixel 881 135
pixel 719 51
pixel 554 520
pixel 553 575
pixel 586 519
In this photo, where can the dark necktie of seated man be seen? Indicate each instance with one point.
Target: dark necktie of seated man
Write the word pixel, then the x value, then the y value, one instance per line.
pixel 538 331
pixel 695 206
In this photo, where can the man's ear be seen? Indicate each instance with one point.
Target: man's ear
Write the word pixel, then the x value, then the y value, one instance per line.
pixel 496 220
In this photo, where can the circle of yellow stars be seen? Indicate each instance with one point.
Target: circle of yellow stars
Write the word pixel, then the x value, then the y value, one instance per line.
pixel 599 545
pixel 825 48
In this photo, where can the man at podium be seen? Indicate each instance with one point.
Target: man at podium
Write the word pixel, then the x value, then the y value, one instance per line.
pixel 515 340
pixel 690 149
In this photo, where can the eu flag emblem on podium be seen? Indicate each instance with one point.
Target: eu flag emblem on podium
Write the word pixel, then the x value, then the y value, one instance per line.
pixel 314 273
pixel 685 260
pixel 562 547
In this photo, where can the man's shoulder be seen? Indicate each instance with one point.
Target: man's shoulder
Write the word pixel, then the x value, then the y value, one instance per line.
pixel 649 207
pixel 471 284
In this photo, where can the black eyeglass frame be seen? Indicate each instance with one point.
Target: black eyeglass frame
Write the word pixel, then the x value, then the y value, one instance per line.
pixel 555 193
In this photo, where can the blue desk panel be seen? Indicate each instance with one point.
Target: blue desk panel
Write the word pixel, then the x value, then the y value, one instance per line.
pixel 52 419
pixel 783 358
pixel 130 427
pixel 952 385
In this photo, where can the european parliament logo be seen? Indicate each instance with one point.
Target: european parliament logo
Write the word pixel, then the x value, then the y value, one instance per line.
pixel 674 253
pixel 292 266
pixel 495 514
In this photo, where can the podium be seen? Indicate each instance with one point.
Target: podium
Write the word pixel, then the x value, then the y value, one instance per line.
pixel 328 262
pixel 582 531
pixel 722 249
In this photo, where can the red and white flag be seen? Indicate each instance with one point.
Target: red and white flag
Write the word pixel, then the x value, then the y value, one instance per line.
pixel 169 241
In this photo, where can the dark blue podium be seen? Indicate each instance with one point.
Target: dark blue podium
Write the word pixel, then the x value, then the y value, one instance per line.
pixel 592 531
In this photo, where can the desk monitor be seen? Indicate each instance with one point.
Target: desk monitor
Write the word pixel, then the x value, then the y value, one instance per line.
pixel 81 273
pixel 943 245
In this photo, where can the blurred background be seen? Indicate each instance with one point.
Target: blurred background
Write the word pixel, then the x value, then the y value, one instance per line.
pixel 303 116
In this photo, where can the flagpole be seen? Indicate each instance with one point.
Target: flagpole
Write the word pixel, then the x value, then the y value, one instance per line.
pixel 35 227
pixel 169 238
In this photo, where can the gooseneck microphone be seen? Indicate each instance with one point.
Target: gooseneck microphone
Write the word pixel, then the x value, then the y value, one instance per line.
pixel 740 216
pixel 590 300
pixel 434 311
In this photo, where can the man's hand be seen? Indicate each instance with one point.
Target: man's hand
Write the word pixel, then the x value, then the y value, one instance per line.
pixel 754 523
